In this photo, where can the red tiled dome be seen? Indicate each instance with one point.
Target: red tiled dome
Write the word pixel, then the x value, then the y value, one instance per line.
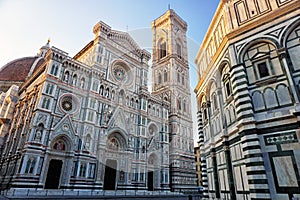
pixel 17 70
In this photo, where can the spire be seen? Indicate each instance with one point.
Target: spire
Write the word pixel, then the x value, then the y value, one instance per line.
pixel 45 48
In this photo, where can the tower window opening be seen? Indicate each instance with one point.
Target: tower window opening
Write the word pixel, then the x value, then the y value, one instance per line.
pixel 178 47
pixel 162 50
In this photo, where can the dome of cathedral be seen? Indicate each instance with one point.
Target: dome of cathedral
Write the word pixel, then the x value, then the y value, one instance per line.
pixel 20 69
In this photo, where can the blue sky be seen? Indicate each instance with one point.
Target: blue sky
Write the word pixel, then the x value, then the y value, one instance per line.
pixel 25 25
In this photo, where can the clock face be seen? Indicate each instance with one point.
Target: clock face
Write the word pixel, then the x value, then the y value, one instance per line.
pixel 119 73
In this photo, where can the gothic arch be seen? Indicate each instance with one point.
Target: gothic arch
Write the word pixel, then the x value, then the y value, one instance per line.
pixel 179 47
pixel 153 160
pixel 212 84
pixel 225 62
pixel 62 142
pixel 202 99
pixel 120 136
pixel 288 30
pixel 248 45
pixel 161 48
pixel 291 42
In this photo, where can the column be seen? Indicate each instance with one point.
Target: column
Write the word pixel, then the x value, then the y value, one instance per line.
pixel 202 158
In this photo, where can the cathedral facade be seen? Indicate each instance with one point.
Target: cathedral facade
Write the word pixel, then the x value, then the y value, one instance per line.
pixel 90 121
pixel 248 101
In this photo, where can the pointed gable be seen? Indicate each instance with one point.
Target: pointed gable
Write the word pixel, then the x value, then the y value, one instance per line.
pixel 65 127
pixel 126 41
pixel 118 120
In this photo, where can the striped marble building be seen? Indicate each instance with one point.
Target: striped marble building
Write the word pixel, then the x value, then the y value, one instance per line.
pixel 248 101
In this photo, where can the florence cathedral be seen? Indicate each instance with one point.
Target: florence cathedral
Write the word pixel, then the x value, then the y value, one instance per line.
pixel 90 122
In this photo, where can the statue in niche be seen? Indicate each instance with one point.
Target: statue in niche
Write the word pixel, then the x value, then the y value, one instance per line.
pixel 39 132
pixel 131 123
pixel 107 114
pixel 38 135
pixel 130 141
pixel 122 176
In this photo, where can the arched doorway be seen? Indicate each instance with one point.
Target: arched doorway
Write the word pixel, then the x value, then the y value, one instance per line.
pixel 115 154
pixel 152 172
pixel 59 147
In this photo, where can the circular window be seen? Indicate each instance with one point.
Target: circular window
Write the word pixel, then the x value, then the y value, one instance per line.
pixel 69 103
pixel 119 73
pixel 122 73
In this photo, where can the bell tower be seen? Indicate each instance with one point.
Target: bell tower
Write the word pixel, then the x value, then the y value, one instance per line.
pixel 170 75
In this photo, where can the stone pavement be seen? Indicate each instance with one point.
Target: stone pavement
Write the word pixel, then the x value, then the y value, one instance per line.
pixel 139 197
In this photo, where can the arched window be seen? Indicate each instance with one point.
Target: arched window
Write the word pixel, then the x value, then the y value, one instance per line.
pixel 226 81
pixel 54 70
pixel 218 125
pixel 113 95
pixel 46 103
pixel 214 101
pixel 88 142
pixel 101 90
pixel 165 76
pixel 178 48
pixel 159 78
pixel 131 102
pixel 184 106
pixel 257 60
pixel 162 50
pixel 227 117
pixel 293 47
pixel 107 93
pixel 74 81
pixel 122 97
pixel 30 164
pixel 95 86
pixel 66 76
pixel 179 104
pixel 231 113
